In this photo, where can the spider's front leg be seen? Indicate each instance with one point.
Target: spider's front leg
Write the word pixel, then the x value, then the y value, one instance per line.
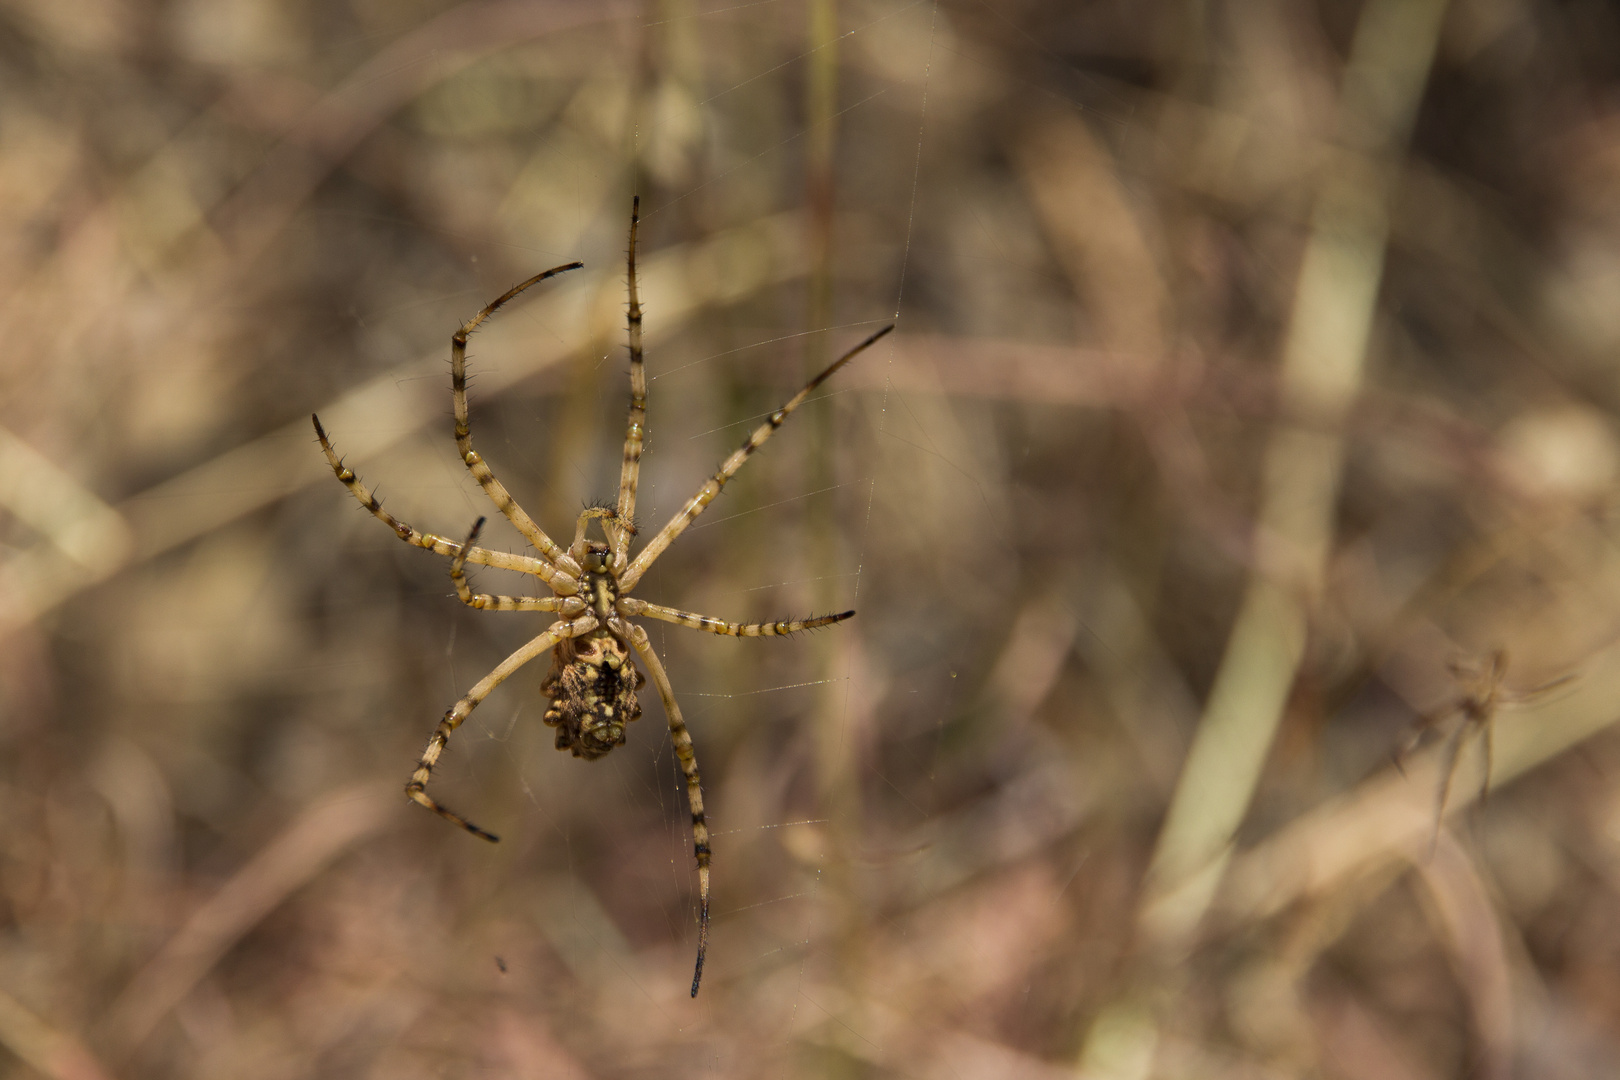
pixel 416 787
pixel 706 494
pixel 439 545
pixel 556 559
pixel 621 529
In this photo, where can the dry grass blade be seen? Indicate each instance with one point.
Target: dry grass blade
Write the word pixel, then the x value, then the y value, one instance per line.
pixel 285 865
pixel 51 1051
pixel 1466 913
pixel 1323 363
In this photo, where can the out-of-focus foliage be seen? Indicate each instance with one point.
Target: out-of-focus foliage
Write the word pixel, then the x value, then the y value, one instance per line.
pixel 935 823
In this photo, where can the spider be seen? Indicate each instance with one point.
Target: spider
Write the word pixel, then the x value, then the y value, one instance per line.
pixel 593 682
pixel 1482 693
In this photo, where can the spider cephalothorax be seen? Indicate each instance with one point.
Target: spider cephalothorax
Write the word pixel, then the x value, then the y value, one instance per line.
pixel 593 684
pixel 593 681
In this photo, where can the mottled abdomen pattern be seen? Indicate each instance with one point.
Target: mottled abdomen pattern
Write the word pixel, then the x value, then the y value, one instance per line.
pixel 592 687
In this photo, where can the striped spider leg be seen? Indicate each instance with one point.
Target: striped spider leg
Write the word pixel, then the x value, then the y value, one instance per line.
pixel 554 567
pixel 1482 694
pixel 593 680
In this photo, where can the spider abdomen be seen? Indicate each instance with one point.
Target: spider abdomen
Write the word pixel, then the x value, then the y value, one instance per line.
pixel 592 687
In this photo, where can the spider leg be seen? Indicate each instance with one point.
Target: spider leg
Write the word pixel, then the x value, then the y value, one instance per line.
pixel 565 567
pixel 1524 697
pixel 629 605
pixel 682 740
pixel 1448 769
pixel 621 530
pixel 416 787
pixel 568 605
pixel 1421 726
pixel 711 487
pixel 439 545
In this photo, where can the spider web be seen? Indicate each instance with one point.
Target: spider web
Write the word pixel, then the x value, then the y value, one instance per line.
pixel 784 693
pixel 807 813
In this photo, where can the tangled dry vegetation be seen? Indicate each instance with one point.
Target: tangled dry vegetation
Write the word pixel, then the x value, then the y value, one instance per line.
pixel 1256 362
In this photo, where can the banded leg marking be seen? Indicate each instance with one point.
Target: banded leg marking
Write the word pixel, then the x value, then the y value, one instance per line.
pixel 622 530
pixel 682 741
pixel 629 605
pixel 568 605
pixel 497 492
pixel 711 488
pixel 416 786
pixel 440 545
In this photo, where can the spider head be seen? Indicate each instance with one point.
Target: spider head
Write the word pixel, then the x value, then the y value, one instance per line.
pixel 593 556
pixel 597 556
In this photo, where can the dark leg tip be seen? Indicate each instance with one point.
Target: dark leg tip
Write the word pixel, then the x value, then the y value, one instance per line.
pixel 703 944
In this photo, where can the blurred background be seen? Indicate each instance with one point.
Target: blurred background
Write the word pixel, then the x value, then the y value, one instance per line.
pixel 1256 380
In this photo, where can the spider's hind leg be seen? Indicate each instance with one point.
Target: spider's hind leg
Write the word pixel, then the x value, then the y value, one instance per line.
pixel 1448 770
pixel 682 740
pixel 416 786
